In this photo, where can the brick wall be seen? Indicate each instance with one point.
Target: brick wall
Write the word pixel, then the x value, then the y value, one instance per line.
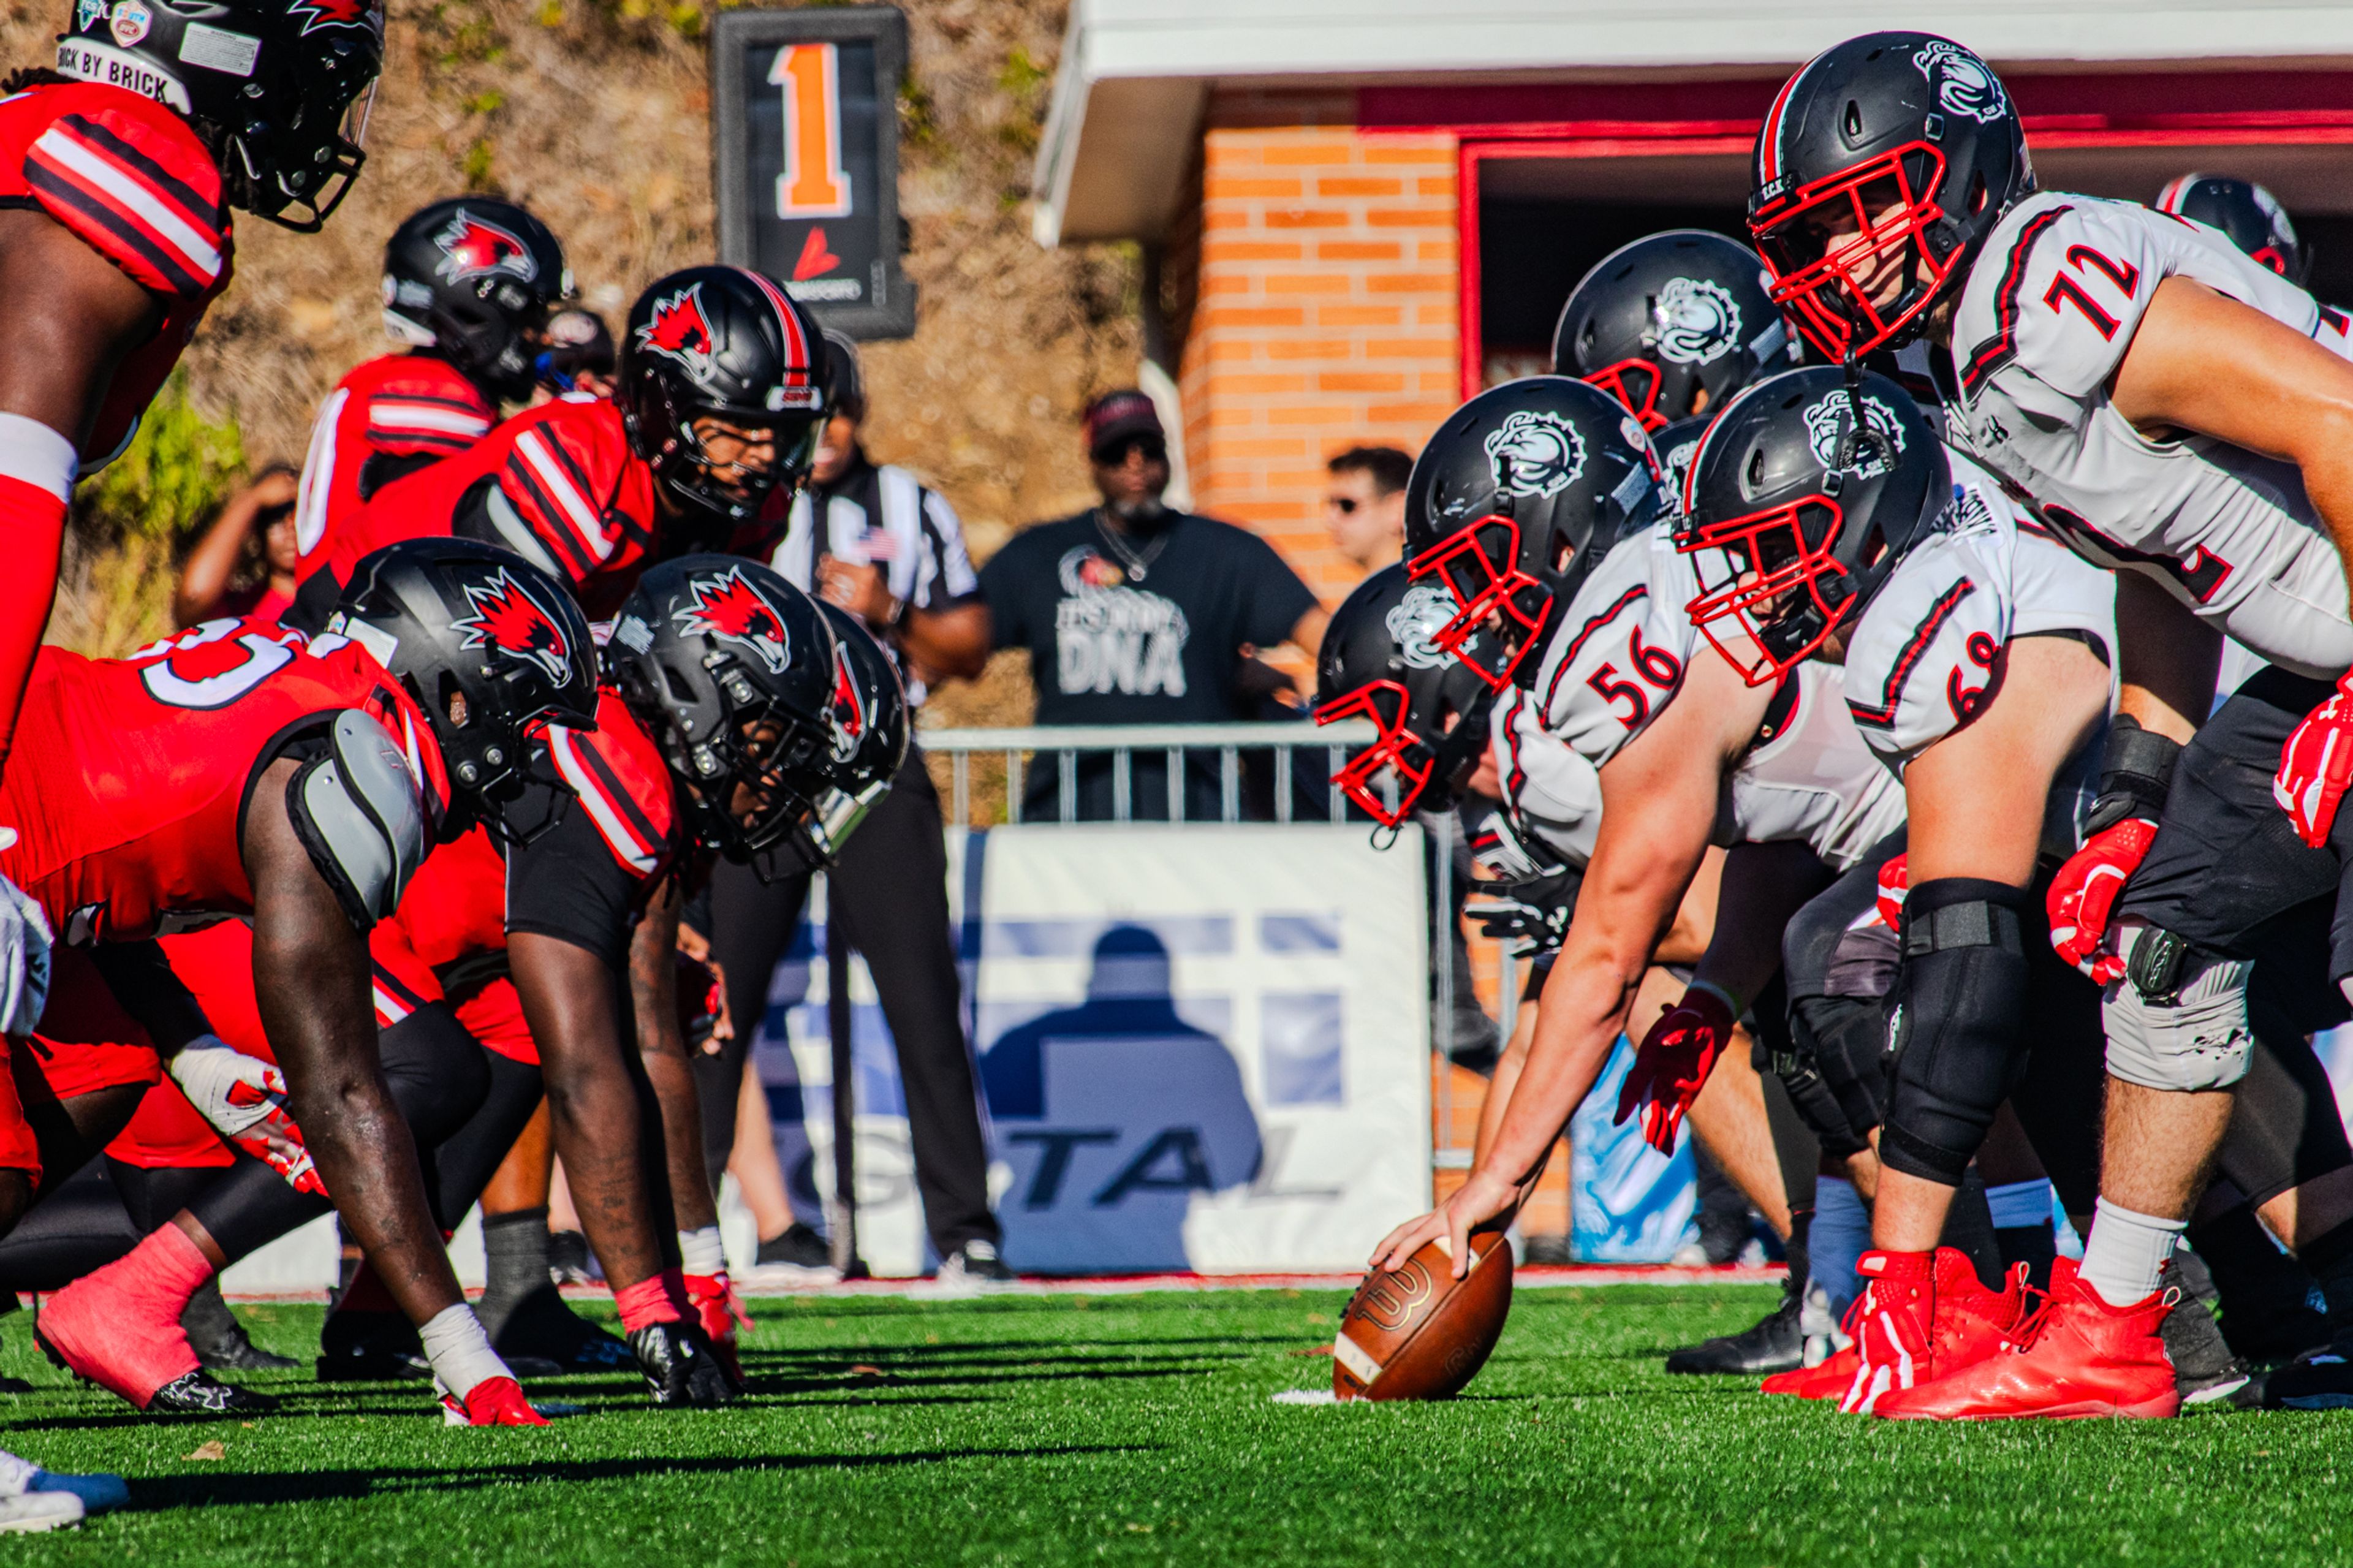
pixel 1323 310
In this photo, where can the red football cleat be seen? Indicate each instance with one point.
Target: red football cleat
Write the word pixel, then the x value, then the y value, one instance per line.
pixel 1923 1315
pixel 493 1402
pixel 1828 1380
pixel 716 1305
pixel 2077 1356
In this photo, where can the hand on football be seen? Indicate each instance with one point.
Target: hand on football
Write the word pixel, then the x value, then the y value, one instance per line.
pixel 1484 1201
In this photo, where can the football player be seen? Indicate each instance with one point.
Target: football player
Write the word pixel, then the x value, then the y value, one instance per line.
pixel 468 285
pixel 142 815
pixel 720 403
pixel 2175 409
pixel 1672 325
pixel 2250 216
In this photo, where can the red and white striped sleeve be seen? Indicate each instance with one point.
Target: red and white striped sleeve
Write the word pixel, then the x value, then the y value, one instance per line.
pixel 559 472
pixel 404 422
pixel 142 193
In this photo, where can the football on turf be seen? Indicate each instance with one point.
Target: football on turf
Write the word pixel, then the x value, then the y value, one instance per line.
pixel 1418 1333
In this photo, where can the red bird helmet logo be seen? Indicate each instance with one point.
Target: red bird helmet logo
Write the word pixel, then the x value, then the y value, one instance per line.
pixel 849 711
pixel 731 608
pixel 509 622
pixel 318 14
pixel 677 329
pixel 474 248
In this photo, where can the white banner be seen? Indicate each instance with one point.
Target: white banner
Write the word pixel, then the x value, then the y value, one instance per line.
pixel 1201 1048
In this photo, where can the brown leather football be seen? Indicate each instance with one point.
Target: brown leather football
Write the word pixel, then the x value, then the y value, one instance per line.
pixel 1417 1332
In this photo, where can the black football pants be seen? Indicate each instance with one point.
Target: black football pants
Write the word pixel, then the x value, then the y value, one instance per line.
pixel 889 896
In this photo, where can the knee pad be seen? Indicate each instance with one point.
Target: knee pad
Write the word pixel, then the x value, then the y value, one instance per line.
pixel 1955 1024
pixel 2177 1020
pixel 1839 1060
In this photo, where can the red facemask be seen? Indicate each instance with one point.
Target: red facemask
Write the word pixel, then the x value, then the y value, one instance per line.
pixel 1466 562
pixel 1824 240
pixel 1394 750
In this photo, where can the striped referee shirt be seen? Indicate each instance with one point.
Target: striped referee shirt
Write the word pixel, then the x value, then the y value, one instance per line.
pixel 881 517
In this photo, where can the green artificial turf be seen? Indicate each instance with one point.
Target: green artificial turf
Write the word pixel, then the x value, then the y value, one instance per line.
pixel 1028 1430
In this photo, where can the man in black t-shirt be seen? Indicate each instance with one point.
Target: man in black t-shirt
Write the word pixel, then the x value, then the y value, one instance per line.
pixel 1133 613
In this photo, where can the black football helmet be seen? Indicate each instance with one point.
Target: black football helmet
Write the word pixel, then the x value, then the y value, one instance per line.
pixel 1521 491
pixel 721 341
pixel 732 670
pixel 279 88
pixel 1880 169
pixel 491 647
pixel 1798 511
pixel 869 718
pixel 474 278
pixel 1380 660
pixel 2250 216
pixel 1672 325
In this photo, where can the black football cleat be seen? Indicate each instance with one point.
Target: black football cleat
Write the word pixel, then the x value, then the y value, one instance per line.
pixel 1774 1343
pixel 368 1347
pixel 2205 1372
pixel 682 1368
pixel 220 1342
pixel 2317 1379
pixel 197 1393
pixel 542 1328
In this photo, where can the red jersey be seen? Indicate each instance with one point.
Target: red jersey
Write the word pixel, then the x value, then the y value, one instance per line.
pixel 558 485
pixel 133 183
pixel 383 421
pixel 583 880
pixel 128 789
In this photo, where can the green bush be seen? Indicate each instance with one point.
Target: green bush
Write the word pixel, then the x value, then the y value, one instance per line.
pixel 178 471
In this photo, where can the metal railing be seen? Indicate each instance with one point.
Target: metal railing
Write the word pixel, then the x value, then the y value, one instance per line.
pixel 1067 743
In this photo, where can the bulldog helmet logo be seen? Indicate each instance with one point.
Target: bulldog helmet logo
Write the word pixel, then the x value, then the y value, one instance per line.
pixel 1827 422
pixel 1964 84
pixel 1694 321
pixel 511 624
pixel 731 609
pixel 1536 452
pixel 1415 619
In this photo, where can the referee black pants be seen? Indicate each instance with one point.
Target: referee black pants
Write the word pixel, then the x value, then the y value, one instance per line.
pixel 889 896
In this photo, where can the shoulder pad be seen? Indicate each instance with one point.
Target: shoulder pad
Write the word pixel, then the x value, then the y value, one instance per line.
pixel 1924 653
pixel 622 783
pixel 132 180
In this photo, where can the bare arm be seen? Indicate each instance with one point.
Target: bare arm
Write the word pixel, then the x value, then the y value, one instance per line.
pixel 951 644
pixel 203 582
pixel 2204 363
pixel 2167 662
pixel 1307 633
pixel 653 987
pixel 72 315
pixel 312 978
pixel 573 1005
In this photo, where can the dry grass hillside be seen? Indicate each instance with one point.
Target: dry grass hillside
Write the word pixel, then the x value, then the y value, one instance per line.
pixel 596 114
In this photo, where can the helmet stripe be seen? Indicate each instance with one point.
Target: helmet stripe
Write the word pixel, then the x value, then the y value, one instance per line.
pixel 797 348
pixel 1768 143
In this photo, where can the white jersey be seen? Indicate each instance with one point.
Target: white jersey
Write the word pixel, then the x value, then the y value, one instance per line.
pixel 2045 318
pixel 1613 664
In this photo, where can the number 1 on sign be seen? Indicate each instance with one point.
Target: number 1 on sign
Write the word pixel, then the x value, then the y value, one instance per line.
pixel 814 184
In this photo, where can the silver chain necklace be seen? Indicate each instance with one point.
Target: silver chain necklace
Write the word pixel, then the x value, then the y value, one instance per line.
pixel 1138 567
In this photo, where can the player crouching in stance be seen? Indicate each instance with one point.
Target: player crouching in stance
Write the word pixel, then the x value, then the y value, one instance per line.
pixel 238 771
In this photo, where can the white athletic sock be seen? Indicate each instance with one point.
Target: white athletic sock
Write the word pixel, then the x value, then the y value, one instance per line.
pixel 2126 1252
pixel 699 1252
pixel 459 1350
pixel 2017 1204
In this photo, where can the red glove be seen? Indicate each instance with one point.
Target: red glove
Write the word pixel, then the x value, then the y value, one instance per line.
pixel 1672 1064
pixel 2085 892
pixel 2316 764
pixel 717 1307
pixel 1894 883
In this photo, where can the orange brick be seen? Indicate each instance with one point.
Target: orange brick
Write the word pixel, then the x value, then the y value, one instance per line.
pixel 1439 250
pixel 1297 478
pixel 1235 188
pixel 1240 385
pixel 1308 348
pixel 1280 283
pixel 1217 316
pixel 1265 447
pixel 1363 316
pixel 1420 416
pixel 1312 414
pixel 1440 381
pixel 1376 153
pixel 1395 348
pixel 1316 155
pixel 1435 186
pixel 1434 315
pixel 1410 283
pixel 1304 217
pixel 1230 218
pixel 1359 381
pixel 1262 250
pixel 1411 217
pixel 1358 185
pixel 1230 350
pixel 1358 250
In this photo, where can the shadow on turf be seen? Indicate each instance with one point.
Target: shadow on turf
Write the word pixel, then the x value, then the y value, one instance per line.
pixel 234 1490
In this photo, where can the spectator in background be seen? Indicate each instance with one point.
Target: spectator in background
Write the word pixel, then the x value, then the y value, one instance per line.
pixel 1133 613
pixel 577 360
pixel 876 542
pixel 1363 505
pixel 253 539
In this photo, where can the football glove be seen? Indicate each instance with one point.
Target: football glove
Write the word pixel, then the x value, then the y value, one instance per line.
pixel 2316 764
pixel 1895 882
pixel 1672 1065
pixel 2085 892
pixel 243 1097
pixel 1530 916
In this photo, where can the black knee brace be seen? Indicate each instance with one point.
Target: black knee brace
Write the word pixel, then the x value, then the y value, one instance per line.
pixel 1837 1075
pixel 1955 1024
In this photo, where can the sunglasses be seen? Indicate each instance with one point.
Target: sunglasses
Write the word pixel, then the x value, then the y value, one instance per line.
pixel 1116 455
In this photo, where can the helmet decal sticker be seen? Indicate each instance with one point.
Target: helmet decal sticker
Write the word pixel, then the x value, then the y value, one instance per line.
pixel 1828 420
pixel 1414 621
pixel 731 609
pixel 474 248
pixel 130 22
pixel 508 621
pixel 677 329
pixel 1964 85
pixel 318 14
pixel 847 716
pixel 1695 321
pixel 1536 453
